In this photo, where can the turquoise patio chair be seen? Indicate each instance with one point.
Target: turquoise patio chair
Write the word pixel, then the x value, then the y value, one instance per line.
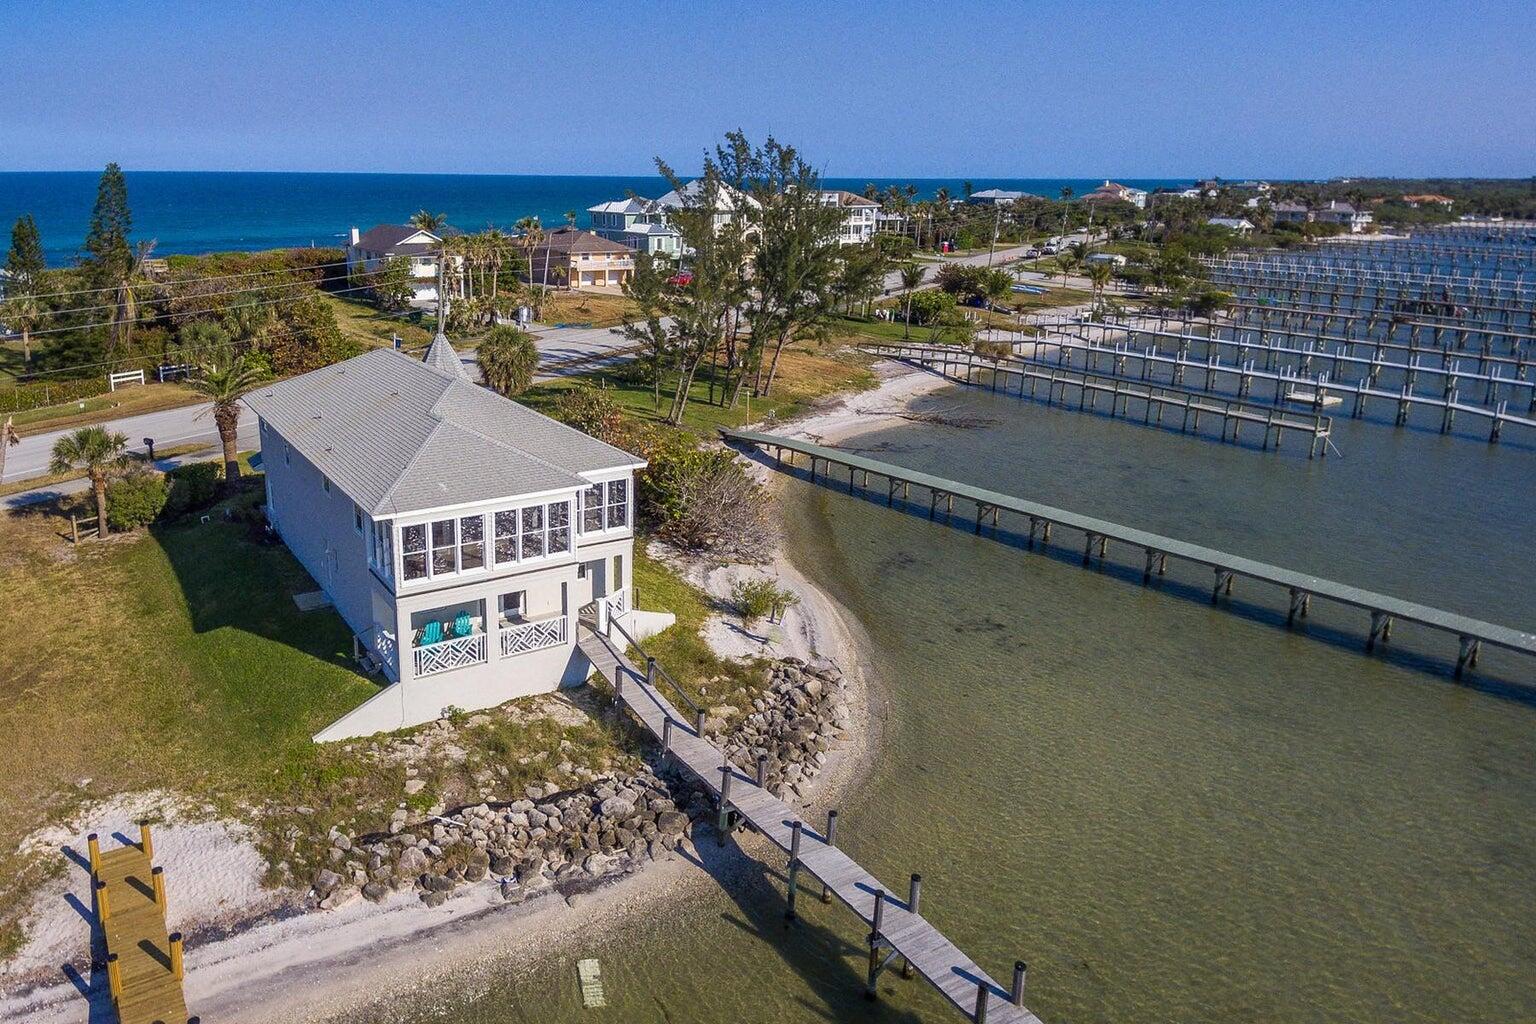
pixel 461 624
pixel 431 633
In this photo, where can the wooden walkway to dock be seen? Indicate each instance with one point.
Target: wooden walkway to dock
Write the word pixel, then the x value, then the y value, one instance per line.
pixel 1038 519
pixel 898 932
pixel 144 962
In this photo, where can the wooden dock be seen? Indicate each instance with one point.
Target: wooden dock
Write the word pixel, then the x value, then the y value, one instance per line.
pixel 1038 520
pixel 898 933
pixel 144 961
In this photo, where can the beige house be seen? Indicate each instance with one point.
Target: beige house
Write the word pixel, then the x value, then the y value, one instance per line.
pixel 575 258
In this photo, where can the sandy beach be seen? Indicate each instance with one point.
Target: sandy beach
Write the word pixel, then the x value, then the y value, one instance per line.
pixel 258 955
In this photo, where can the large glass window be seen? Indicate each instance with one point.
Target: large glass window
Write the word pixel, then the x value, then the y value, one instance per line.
pixel 413 546
pixel 592 509
pixel 559 528
pixel 445 550
pixel 618 504
pixel 506 536
pixel 533 531
pixel 471 543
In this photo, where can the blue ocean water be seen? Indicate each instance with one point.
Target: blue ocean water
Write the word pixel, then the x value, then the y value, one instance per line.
pixel 199 211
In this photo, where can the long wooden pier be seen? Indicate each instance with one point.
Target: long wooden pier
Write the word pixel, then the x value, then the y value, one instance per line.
pixel 898 931
pixel 144 963
pixel 1039 520
pixel 1157 398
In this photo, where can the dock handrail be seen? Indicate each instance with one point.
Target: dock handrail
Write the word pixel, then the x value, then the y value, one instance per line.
pixel 660 671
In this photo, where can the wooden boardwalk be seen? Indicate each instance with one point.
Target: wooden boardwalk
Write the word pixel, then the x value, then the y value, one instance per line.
pixel 898 931
pixel 144 962
pixel 1097 534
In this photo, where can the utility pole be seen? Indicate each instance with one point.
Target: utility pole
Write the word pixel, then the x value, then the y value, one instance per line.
pixel 442 292
pixel 997 223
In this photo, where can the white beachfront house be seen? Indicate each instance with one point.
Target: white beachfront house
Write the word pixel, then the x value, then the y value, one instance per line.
pixel 859 215
pixel 1242 225
pixel 368 251
pixel 729 204
pixel 459 534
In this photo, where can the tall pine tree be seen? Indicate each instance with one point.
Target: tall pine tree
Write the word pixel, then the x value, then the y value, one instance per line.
pixel 111 257
pixel 25 263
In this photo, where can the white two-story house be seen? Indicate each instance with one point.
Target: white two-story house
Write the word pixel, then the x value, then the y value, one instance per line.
pixel 859 215
pixel 368 251
pixel 458 533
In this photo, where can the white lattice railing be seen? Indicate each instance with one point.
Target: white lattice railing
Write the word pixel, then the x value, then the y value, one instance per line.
pixel 388 651
pixel 618 602
pixel 459 652
pixel 522 637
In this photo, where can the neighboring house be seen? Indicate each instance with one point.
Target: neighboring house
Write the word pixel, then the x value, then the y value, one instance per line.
pixel 859 215
pixel 580 259
pixel 995 197
pixel 1114 259
pixel 1242 225
pixel 1429 200
pixel 1338 212
pixel 1291 213
pixel 727 208
pixel 1121 193
pixel 369 250
pixel 890 223
pixel 637 222
pixel 458 533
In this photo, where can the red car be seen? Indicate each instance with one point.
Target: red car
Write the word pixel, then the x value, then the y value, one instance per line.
pixel 681 279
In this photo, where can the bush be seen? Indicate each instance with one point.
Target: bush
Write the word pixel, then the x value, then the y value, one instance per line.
pixel 762 598
pixel 702 499
pixel 931 306
pixel 135 500
pixel 193 487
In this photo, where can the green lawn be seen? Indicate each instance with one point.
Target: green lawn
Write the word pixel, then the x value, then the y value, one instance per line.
pixel 804 377
pixel 366 323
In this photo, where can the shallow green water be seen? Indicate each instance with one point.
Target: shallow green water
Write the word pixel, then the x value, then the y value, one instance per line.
pixel 1171 812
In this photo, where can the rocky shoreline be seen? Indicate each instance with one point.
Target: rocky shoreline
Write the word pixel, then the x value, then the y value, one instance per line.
pixel 567 841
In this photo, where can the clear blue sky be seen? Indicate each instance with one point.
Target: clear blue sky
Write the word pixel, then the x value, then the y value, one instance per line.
pixel 1010 88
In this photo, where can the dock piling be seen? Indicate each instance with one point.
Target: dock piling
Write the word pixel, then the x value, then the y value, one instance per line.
pixel 1016 995
pixel 794 867
pixel 826 890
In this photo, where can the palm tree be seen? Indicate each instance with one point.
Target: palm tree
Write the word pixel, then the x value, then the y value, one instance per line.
pixel 8 437
pixel 97 452
pixel 996 287
pixel 532 234
pixel 126 295
pixel 1067 262
pixel 426 220
pixel 570 218
pixel 224 388
pixel 1099 274
pixel 495 246
pixel 21 313
pixel 1066 199
pixel 911 276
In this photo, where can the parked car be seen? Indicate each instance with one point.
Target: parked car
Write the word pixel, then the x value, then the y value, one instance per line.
pixel 1049 250
pixel 1032 254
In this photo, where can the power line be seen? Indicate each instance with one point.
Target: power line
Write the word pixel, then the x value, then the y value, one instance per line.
pixel 263 273
pixel 236 291
pixel 219 346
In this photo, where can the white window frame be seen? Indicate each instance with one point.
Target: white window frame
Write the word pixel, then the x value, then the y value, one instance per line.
pixel 490 563
pixel 628 480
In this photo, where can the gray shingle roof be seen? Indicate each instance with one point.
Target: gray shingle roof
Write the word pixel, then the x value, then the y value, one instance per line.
pixel 441 356
pixel 399 436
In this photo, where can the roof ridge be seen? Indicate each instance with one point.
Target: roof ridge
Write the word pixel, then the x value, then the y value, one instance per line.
pixel 506 444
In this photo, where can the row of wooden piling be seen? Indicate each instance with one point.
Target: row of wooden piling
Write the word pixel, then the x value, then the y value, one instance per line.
pixel 1471 635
